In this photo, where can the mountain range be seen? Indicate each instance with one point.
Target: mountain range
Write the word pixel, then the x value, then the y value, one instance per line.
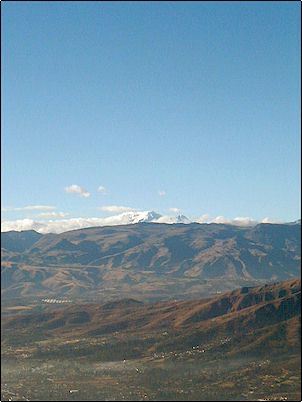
pixel 149 260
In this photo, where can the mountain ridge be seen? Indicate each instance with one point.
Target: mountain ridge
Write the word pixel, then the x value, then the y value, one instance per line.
pixel 158 260
pixel 241 312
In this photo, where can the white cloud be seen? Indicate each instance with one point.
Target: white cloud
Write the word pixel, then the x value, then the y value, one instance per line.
pixel 269 220
pixel 174 210
pixel 220 219
pixel 127 217
pixel 202 219
pixel 75 189
pixel 161 193
pixel 173 219
pixel 238 221
pixel 116 209
pixel 166 219
pixel 50 226
pixel 21 224
pixel 64 225
pixel 244 221
pixel 29 208
pixel 103 190
pixel 54 215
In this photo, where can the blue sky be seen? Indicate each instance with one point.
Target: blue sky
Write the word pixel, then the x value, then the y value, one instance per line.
pixel 200 100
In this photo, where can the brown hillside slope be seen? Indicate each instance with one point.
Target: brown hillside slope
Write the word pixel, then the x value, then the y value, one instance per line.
pixel 154 261
pixel 243 321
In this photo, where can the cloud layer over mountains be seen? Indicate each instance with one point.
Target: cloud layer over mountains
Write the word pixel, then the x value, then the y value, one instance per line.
pixel 124 218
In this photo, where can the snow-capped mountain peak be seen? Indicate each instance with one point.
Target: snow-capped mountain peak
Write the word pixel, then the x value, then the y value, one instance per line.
pixel 64 225
pixel 173 219
pixel 182 219
pixel 138 216
pixel 133 217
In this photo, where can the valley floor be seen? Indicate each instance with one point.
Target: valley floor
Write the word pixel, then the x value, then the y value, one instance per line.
pixel 239 346
pixel 156 379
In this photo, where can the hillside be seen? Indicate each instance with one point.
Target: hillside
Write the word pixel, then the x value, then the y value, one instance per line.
pixel 250 318
pixel 241 345
pixel 158 260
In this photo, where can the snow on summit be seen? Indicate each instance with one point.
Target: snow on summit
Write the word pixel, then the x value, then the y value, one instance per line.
pixel 63 225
